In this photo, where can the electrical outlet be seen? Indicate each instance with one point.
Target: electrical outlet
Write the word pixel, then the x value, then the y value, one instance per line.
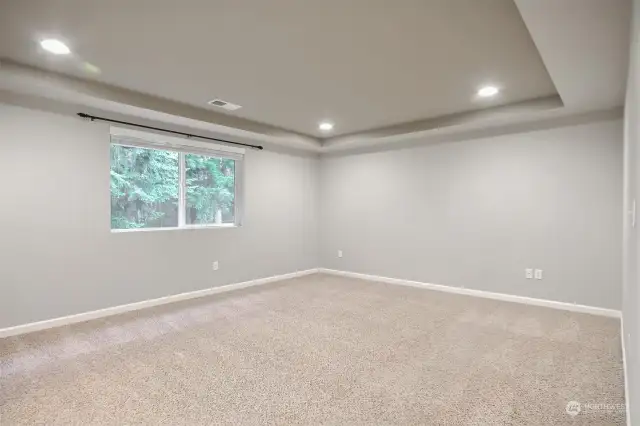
pixel 528 273
pixel 538 274
pixel 339 253
pixel 215 265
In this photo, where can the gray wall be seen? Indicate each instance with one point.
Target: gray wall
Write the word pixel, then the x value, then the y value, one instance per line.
pixel 631 295
pixel 476 213
pixel 472 213
pixel 57 253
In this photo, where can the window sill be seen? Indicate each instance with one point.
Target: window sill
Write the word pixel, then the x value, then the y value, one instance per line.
pixel 182 228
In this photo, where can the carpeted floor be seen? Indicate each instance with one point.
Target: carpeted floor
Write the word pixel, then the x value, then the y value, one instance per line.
pixel 319 350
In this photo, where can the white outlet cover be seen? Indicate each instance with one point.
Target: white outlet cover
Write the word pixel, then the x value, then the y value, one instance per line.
pixel 339 253
pixel 215 265
pixel 528 273
pixel 538 274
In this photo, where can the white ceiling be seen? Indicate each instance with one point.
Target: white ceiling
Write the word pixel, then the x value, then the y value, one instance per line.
pixel 585 47
pixel 363 64
pixel 391 72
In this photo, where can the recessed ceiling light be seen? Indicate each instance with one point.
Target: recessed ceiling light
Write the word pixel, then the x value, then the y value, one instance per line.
pixel 55 46
pixel 488 91
pixel 326 126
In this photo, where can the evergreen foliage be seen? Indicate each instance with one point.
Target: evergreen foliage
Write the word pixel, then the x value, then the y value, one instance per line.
pixel 145 188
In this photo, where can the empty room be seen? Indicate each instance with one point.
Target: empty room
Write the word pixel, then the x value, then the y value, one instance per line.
pixel 291 212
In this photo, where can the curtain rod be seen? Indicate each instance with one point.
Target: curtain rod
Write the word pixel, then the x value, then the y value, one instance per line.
pixel 93 118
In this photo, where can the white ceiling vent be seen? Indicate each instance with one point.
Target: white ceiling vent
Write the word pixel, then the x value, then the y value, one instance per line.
pixel 224 104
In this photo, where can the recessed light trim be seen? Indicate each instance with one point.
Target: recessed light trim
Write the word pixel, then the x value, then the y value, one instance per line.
pixel 488 91
pixel 55 46
pixel 325 126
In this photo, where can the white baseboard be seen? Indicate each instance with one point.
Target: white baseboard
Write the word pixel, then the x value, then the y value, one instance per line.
pixel 626 377
pixel 86 316
pixel 479 293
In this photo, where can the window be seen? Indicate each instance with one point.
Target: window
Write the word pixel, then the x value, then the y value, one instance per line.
pixel 144 187
pixel 210 184
pixel 160 182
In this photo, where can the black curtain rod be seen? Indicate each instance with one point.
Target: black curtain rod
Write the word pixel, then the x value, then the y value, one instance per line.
pixel 189 135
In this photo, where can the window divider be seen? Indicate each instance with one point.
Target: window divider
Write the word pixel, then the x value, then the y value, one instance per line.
pixel 182 191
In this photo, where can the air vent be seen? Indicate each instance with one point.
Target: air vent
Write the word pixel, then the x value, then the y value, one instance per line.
pixel 219 103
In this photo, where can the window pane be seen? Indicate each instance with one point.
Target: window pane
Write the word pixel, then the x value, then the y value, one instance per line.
pixel 210 190
pixel 144 188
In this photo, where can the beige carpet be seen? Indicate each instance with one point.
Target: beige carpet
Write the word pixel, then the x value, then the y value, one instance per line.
pixel 319 350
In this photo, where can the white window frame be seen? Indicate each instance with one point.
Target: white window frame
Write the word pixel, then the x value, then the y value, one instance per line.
pixel 141 139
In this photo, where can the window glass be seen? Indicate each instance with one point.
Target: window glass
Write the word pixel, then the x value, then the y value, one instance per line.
pixel 144 187
pixel 210 190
